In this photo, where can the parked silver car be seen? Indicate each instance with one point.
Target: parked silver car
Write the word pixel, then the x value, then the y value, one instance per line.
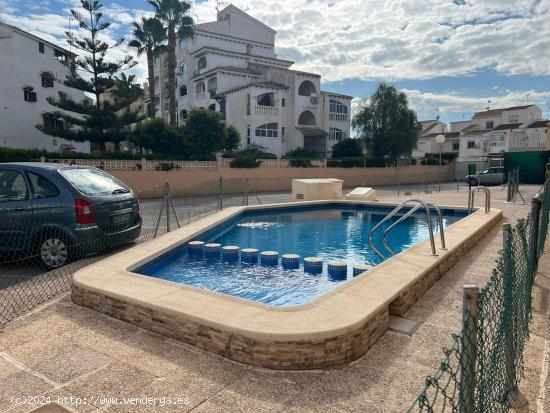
pixel 489 176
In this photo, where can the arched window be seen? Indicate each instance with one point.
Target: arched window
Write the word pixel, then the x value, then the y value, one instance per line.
pixel 336 134
pixel 183 44
pixel 307 118
pixel 157 81
pixel 200 88
pixel 202 63
pixel 266 99
pixel 307 88
pixel 212 107
pixel 183 90
pixel 183 115
pixel 268 130
pixel 183 68
pixel 337 107
pixel 212 84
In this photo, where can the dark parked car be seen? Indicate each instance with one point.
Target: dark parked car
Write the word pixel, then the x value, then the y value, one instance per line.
pixel 59 212
pixel 489 176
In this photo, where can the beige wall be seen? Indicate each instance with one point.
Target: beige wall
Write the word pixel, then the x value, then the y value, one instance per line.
pixel 278 179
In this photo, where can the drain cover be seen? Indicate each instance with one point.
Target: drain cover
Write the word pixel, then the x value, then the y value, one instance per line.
pixel 404 325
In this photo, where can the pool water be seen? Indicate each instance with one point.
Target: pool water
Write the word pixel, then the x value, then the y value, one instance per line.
pixel 334 232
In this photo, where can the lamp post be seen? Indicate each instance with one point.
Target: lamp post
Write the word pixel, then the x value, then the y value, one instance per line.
pixel 440 140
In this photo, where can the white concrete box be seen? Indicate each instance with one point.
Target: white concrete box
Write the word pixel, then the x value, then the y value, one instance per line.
pixel 316 189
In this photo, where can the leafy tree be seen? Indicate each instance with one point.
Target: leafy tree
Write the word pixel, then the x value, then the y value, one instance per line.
pixel 204 133
pixel 148 38
pixel 386 125
pixel 232 138
pixel 347 148
pixel 177 25
pixel 97 121
pixel 158 136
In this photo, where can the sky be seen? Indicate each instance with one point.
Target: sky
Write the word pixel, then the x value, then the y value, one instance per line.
pixel 451 57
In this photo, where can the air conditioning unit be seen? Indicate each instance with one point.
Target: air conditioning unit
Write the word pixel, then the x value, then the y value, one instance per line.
pixel 314 99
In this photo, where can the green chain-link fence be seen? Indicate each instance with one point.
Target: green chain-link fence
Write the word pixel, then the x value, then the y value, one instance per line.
pixel 480 372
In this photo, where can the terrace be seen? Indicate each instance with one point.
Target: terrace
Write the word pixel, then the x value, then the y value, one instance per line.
pixel 63 349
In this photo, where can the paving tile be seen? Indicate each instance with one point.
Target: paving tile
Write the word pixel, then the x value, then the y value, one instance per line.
pixel 116 380
pixel 20 384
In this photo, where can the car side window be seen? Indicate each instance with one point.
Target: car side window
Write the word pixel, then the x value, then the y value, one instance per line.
pixel 42 187
pixel 12 186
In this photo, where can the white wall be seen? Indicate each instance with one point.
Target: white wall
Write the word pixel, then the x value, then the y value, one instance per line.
pixel 21 65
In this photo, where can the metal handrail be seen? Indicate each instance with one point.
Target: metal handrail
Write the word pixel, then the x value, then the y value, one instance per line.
pixel 408 214
pixel 395 211
pixel 471 196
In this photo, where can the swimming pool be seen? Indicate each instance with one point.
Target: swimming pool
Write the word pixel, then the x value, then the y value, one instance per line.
pixel 329 232
pixel 331 330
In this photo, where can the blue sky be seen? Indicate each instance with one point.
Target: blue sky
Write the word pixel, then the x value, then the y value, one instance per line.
pixel 449 56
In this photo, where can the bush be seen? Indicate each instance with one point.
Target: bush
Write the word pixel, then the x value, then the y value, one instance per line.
pixel 356 162
pixel 301 153
pixel 247 162
pixel 166 166
pixel 347 148
pixel 301 163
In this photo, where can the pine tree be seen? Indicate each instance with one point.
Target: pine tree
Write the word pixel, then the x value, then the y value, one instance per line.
pixel 93 73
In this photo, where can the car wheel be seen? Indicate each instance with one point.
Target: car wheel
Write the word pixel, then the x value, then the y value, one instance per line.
pixel 472 182
pixel 54 251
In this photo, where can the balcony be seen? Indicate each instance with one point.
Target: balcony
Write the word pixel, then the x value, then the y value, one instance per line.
pixel 494 146
pixel 266 111
pixel 530 144
pixel 200 96
pixel 339 117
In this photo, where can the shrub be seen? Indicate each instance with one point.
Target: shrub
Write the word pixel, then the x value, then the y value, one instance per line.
pixel 166 166
pixel 247 162
pixel 356 162
pixel 301 163
pixel 347 148
pixel 30 155
pixel 301 153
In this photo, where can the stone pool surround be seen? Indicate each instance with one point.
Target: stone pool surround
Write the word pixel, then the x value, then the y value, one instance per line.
pixel 336 328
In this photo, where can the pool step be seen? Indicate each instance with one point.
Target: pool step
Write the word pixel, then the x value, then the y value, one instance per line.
pixel 313 265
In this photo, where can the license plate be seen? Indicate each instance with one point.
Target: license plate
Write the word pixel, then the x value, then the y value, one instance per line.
pixel 117 219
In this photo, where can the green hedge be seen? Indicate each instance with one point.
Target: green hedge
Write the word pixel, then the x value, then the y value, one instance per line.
pixel 359 162
pixel 30 155
pixel 300 163
pixel 247 162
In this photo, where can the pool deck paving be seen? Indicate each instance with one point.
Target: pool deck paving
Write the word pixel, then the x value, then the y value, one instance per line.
pixel 62 350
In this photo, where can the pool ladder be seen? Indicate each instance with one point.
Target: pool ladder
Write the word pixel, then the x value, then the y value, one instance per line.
pixel 419 204
pixel 471 195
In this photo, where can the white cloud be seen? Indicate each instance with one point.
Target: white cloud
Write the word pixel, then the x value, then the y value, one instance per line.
pixel 427 103
pixel 405 39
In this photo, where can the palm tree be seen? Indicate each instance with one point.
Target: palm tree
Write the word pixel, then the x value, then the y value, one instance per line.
pixel 177 25
pixel 148 38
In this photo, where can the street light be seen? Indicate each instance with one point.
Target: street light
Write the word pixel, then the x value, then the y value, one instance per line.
pixel 440 140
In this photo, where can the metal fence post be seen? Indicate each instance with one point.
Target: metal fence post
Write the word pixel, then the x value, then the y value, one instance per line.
pixel 166 204
pixel 246 192
pixel 468 352
pixel 536 206
pixel 220 200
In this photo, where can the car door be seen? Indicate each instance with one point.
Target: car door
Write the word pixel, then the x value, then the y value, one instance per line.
pixel 51 206
pixel 15 211
pixel 499 175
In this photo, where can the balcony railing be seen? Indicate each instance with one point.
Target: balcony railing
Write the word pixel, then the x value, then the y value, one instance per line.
pixel 266 111
pixel 524 144
pixel 494 146
pixel 200 96
pixel 340 117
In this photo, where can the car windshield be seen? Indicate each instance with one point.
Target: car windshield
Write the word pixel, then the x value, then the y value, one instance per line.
pixel 91 181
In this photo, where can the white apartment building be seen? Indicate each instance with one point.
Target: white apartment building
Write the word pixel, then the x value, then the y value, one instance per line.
pixel 230 66
pixel 482 140
pixel 27 64
pixel 489 133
